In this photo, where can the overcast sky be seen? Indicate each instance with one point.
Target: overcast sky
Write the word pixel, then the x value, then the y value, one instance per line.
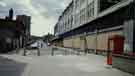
pixel 44 13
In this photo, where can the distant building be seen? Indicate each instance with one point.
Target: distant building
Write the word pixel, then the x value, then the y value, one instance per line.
pixel 26 22
pixel 11 14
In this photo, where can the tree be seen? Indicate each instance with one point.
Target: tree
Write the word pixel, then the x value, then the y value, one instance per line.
pixel 47 38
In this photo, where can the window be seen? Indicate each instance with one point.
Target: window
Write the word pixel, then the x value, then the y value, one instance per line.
pixel 71 21
pixel 104 4
pixel 90 9
pixel 77 4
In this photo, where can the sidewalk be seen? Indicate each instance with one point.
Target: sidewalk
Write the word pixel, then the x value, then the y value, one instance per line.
pixel 59 65
pixel 11 67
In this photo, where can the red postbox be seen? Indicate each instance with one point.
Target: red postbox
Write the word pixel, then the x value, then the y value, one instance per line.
pixel 115 46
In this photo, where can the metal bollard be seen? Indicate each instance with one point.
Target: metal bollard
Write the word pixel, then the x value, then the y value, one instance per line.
pixel 24 54
pixel 52 53
pixel 38 52
pixel 65 51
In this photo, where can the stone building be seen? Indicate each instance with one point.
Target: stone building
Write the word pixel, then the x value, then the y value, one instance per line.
pixel 88 24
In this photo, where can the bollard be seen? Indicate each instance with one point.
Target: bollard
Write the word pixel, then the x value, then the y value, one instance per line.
pixel 24 54
pixel 109 58
pixel 52 53
pixel 38 52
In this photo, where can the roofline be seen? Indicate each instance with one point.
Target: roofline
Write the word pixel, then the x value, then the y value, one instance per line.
pixel 66 9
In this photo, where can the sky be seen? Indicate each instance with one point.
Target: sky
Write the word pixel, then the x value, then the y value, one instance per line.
pixel 44 13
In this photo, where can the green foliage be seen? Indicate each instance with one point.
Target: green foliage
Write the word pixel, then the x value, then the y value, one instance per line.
pixel 48 37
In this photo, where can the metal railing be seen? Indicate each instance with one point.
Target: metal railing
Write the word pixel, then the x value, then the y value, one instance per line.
pixel 64 51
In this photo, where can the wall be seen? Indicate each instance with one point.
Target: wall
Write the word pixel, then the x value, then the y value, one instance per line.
pixel 76 42
pixel 102 39
pixel 68 42
pixel 91 41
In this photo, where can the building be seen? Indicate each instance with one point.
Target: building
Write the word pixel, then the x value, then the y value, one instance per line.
pixel 10 32
pixel 26 22
pixel 7 31
pixel 14 33
pixel 88 24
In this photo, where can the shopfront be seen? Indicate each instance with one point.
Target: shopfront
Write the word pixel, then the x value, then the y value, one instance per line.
pixel 125 59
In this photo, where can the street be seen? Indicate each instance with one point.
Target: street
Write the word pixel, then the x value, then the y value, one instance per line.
pixel 57 65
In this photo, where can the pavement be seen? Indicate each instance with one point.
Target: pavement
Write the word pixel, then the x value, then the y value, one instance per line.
pixel 58 65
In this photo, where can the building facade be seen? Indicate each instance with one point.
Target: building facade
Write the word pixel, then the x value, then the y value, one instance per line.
pixel 89 24
pixel 11 35
pixel 26 22
pixel 14 33
pixel 84 17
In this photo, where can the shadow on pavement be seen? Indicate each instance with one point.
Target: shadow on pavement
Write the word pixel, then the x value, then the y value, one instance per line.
pixel 9 67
